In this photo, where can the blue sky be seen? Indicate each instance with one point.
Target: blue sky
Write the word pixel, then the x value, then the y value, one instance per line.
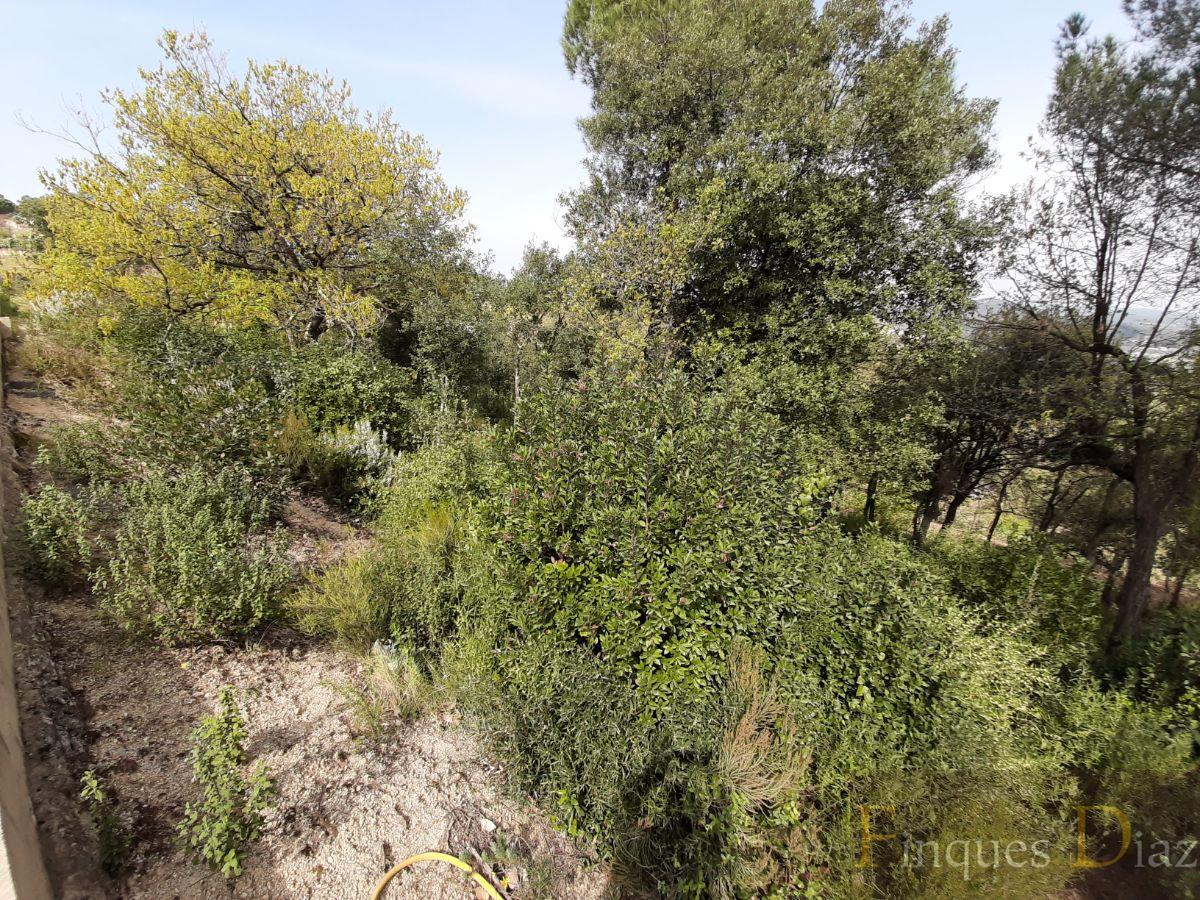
pixel 483 81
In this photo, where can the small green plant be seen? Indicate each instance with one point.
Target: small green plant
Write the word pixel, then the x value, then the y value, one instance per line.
pixel 365 708
pixel 115 841
pixel 229 815
pixel 399 682
pixel 393 689
pixel 523 877
pixel 336 386
pixel 193 559
pixel 56 527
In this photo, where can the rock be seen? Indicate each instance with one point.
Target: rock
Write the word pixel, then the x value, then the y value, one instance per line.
pixel 487 825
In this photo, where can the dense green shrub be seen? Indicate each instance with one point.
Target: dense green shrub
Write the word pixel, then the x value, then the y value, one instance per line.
pixel 348 466
pixel 229 815
pixel 649 522
pixel 891 695
pixel 83 453
pixel 1032 585
pixel 332 386
pixel 213 416
pixel 192 558
pixel 643 514
pixel 1161 665
pixel 56 531
pixel 412 586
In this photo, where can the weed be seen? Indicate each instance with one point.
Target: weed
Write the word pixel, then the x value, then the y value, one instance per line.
pixel 82 453
pixel 115 841
pixel 393 690
pixel 524 878
pixel 340 603
pixel 229 815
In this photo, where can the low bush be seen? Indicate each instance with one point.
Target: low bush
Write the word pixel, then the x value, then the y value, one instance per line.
pixel 56 535
pixel 212 416
pixel 53 355
pixel 413 586
pixel 348 466
pixel 192 558
pixel 334 386
pixel 1033 586
pixel 392 689
pixel 83 453
pixel 1161 665
pixel 342 603
pixel 653 525
pixel 229 815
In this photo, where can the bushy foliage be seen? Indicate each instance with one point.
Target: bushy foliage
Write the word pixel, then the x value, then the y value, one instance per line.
pixel 192 558
pixel 334 386
pixel 215 415
pixel 82 454
pixel 347 466
pixel 643 513
pixel 412 586
pixel 651 521
pixel 1161 665
pixel 56 533
pixel 1033 585
pixel 229 815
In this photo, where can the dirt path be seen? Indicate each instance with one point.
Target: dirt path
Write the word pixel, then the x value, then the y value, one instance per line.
pixel 344 810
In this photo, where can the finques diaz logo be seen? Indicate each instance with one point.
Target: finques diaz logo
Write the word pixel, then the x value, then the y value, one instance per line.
pixel 975 854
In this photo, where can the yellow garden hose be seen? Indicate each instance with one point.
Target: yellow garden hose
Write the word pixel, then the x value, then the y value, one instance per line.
pixel 442 857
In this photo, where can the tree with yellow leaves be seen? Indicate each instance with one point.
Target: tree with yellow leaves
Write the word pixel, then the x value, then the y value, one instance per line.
pixel 263 197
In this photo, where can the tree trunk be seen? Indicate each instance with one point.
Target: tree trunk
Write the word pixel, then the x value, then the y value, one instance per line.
pixel 1051 503
pixel 317 325
pixel 1102 523
pixel 872 490
pixel 1177 593
pixel 923 518
pixel 1110 583
pixel 1148 513
pixel 941 480
pixel 952 509
pixel 1134 596
pixel 999 511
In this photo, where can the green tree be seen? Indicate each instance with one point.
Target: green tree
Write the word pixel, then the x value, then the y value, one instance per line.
pixel 266 196
pixel 995 389
pixel 6 205
pixel 32 211
pixel 814 154
pixel 1105 259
